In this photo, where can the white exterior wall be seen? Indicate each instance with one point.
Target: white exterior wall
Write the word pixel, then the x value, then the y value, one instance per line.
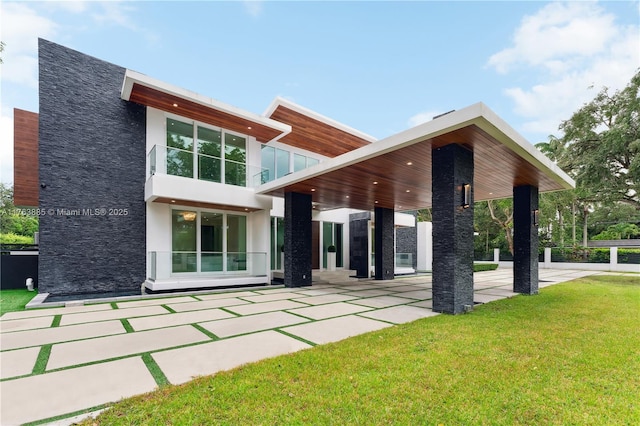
pixel 159 227
pixel 425 246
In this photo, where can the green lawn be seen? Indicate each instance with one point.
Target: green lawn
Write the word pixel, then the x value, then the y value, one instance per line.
pixel 15 300
pixel 570 355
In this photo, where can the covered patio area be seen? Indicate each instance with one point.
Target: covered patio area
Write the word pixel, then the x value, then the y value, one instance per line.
pixel 446 164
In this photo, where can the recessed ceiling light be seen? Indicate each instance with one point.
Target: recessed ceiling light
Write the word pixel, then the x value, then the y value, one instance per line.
pixel 246 210
pixel 409 163
pixel 175 104
pixel 249 127
pixel 313 190
pixel 408 190
pixel 375 182
pixel 376 201
pixel 491 193
pixel 173 201
pixel 347 196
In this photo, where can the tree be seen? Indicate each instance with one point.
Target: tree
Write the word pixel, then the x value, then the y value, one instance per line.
pixel 601 146
pixel 12 220
pixel 501 212
pixel 619 231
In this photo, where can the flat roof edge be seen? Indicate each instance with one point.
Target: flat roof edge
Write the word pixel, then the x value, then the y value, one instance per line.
pixel 280 101
pixel 478 114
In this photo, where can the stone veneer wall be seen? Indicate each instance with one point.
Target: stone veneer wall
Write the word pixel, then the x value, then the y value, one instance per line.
pixel 297 240
pixel 92 175
pixel 452 167
pixel 359 243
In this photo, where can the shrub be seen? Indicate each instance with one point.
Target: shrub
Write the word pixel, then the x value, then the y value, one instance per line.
pixel 10 238
pixel 480 267
pixel 629 256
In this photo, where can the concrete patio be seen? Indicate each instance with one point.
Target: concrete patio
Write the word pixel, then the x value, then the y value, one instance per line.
pixel 64 361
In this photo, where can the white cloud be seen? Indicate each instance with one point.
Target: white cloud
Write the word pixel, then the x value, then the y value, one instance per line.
pixel 21 27
pixel 6 149
pixel 557 36
pixel 571 48
pixel 422 117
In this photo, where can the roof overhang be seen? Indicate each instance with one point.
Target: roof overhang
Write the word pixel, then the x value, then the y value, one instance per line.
pixel 148 91
pixel 395 172
pixel 315 132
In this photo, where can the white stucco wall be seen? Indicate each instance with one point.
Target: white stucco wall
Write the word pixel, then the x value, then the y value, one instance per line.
pixel 425 246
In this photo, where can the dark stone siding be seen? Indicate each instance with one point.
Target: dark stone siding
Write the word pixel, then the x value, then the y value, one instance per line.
pixel 407 242
pixel 91 156
pixel 359 243
pixel 297 239
pixel 452 167
pixel 384 243
pixel 525 240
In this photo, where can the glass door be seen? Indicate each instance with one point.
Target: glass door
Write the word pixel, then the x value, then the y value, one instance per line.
pixel 211 236
pixel 236 243
pixel 183 241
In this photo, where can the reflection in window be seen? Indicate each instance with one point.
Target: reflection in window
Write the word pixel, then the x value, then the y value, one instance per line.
pixel 235 154
pixel 299 162
pixel 209 152
pixel 282 163
pixel 179 148
pixel 183 241
pixel 268 163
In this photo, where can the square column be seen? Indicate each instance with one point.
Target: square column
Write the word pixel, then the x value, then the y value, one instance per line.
pixel 525 239
pixel 297 239
pixel 452 169
pixel 384 243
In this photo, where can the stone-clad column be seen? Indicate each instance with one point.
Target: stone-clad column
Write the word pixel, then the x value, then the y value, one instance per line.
pixel 297 239
pixel 384 243
pixel 452 168
pixel 525 239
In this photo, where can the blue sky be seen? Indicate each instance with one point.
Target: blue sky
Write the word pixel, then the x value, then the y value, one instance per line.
pixel 380 67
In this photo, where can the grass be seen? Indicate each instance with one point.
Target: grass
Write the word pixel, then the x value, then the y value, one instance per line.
pixel 567 356
pixel 15 300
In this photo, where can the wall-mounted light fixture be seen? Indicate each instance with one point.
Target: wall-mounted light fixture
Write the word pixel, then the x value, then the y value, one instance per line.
pixel 466 195
pixel 536 217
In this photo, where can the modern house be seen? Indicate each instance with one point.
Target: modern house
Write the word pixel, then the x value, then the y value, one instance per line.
pixel 143 183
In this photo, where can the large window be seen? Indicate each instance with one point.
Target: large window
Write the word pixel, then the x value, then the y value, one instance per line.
pixel 179 148
pixel 277 162
pixel 219 155
pixel 208 242
pixel 209 154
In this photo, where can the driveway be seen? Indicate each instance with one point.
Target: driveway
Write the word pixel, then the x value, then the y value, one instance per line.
pixel 62 362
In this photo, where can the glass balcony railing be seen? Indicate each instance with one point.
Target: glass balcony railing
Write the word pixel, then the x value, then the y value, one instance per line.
pixel 404 260
pixel 168 264
pixel 179 162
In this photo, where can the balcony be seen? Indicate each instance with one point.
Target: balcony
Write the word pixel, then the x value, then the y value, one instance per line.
pixel 179 162
pixel 178 174
pixel 171 270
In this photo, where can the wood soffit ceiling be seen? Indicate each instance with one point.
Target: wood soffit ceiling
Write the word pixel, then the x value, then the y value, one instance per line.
pixel 314 135
pixel 167 102
pixel 403 176
pixel 213 206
